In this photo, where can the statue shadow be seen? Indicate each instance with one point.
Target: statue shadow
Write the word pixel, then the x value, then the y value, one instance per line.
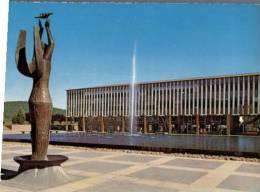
pixel 7 174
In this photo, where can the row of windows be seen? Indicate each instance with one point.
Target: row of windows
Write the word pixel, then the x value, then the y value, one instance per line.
pixel 169 98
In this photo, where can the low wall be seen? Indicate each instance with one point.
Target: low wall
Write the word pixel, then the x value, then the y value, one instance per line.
pixel 21 128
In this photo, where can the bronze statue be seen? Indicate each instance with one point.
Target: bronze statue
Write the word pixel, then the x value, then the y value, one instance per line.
pixel 40 104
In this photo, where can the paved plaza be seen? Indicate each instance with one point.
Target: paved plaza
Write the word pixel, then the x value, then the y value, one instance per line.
pixel 100 170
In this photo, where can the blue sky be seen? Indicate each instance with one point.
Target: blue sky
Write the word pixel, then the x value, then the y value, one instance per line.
pixel 94 43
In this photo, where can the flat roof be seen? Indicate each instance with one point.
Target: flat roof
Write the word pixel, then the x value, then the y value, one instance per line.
pixel 165 81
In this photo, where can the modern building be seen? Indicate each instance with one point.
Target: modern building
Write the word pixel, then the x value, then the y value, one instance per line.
pixel 215 105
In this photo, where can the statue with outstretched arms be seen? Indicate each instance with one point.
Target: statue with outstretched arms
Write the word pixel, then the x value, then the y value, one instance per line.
pixel 40 104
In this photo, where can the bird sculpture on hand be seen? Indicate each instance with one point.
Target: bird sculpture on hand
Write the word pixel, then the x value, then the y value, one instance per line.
pixel 43 15
pixel 40 103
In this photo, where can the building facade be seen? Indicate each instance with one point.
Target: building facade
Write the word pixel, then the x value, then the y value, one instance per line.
pixel 198 105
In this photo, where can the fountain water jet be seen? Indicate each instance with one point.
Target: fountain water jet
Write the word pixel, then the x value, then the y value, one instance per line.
pixel 132 100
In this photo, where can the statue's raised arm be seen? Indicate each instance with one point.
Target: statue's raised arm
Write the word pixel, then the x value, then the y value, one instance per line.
pixel 50 46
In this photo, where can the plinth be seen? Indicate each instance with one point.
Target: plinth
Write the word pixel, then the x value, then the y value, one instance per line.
pixel 26 162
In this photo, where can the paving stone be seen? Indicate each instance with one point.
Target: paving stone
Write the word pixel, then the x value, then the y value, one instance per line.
pixel 13 167
pixel 113 186
pixel 87 154
pixel 46 178
pixel 9 156
pixel 158 174
pixel 249 168
pixel 100 167
pixel 55 151
pixel 194 163
pixel 50 151
pixel 20 149
pixel 171 175
pixel 243 183
pixel 134 158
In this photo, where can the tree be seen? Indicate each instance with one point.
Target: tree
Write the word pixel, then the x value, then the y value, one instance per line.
pixel 19 118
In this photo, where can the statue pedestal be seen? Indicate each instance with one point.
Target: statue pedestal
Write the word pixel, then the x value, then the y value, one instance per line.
pixel 26 162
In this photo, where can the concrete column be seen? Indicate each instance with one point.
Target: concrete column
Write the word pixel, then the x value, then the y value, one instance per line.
pixel 193 97
pixel 229 124
pixel 166 100
pixel 233 95
pixel 102 125
pixel 123 124
pixel 210 96
pixel 179 121
pixel 189 100
pixel 84 102
pixel 155 99
pixel 197 96
pixel 126 100
pixel 137 102
pixel 87 102
pixel 253 96
pixel 90 102
pixel 80 103
pixel 169 124
pixel 68 103
pixel 83 124
pixel 206 96
pixel 142 100
pixel 248 95
pixel 181 96
pixel 123 101
pixel 159 99
pixel 152 102
pixel 173 98
pixel 185 97
pixel 215 96
pixel 243 95
pixel 100 102
pixel 94 102
pixel 148 99
pixel 145 99
pixel 238 96
pixel 97 102
pixel 70 113
pixel 66 124
pixel 224 96
pixel 72 103
pixel 145 124
pixel 201 97
pixel 163 106
pixel 67 109
pixel 170 99
pixel 229 96
pixel 258 93
pixel 197 123
pixel 76 103
pixel 177 100
pixel 219 96
pixel 114 102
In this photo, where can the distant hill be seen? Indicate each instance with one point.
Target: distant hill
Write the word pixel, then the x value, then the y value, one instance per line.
pixel 11 107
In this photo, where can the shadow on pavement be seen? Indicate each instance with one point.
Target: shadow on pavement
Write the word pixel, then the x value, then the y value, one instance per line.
pixel 7 174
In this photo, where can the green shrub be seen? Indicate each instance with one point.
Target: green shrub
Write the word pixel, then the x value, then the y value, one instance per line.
pixel 19 118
